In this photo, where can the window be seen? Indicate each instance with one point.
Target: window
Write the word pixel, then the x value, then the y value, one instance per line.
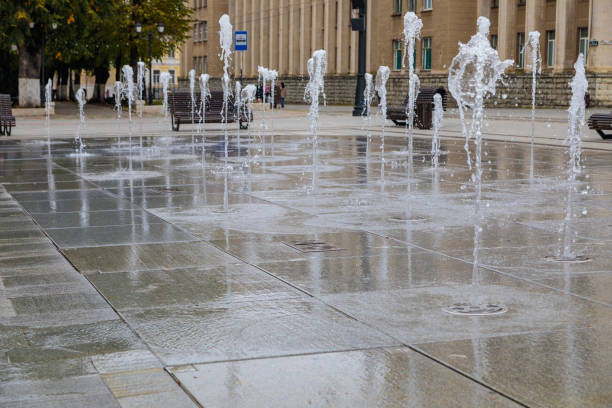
pixel 205 64
pixel 201 32
pixel 196 32
pixel 195 63
pixel 426 54
pixel 195 4
pixel 427 4
pixel 583 42
pixel 205 3
pixel 494 3
pixel 172 76
pixel 494 41
pixel 199 69
pixel 172 52
pixel 550 48
pixel 411 5
pixel 397 6
pixel 397 55
pixel 521 50
pixel 205 36
pixel 156 76
pixel 521 2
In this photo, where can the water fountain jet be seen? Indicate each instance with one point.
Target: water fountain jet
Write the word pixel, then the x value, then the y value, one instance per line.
pixel 317 66
pixel 382 76
pixel 412 31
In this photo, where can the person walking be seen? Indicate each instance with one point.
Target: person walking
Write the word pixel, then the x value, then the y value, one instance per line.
pixel 283 95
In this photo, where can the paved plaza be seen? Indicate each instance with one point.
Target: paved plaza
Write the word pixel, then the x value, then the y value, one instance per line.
pixel 153 275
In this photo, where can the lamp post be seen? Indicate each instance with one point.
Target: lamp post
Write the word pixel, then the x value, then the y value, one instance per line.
pixel 359 24
pixel 160 29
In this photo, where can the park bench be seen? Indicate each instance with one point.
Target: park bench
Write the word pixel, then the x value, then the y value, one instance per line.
pixel 423 117
pixel 600 122
pixel 180 105
pixel 7 120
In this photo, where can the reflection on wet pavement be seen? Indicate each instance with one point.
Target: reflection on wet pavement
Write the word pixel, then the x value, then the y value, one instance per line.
pixel 180 281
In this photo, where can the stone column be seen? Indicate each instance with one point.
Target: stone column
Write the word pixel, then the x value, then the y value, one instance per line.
pixel 302 62
pixel 339 31
pixel 483 8
pixel 506 31
pixel 261 43
pixel 281 37
pixel 291 31
pixel 533 22
pixel 271 50
pixel 369 28
pixel 566 37
pixel 314 29
pixel 600 57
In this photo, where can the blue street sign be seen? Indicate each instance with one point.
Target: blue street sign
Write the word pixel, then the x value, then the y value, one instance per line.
pixel 240 41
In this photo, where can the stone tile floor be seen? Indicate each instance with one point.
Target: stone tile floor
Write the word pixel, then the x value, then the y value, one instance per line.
pixel 182 284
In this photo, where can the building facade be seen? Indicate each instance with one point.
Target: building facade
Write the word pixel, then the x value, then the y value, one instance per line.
pixel 282 34
pixel 201 50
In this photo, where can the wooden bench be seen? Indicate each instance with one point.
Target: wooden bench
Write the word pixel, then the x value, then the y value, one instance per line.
pixel 423 108
pixel 600 122
pixel 7 120
pixel 180 105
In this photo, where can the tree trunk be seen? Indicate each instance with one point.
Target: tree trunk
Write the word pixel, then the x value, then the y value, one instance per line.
pixel 29 77
pixel 102 75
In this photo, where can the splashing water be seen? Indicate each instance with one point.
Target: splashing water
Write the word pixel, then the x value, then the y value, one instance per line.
pixel 128 87
pixel 412 31
pixel 48 104
pixel 140 78
pixel 192 80
pixel 382 76
pixel 533 41
pixel 576 117
pixel 204 96
pixel 164 79
pixel 118 93
pixel 263 76
pixel 247 96
pixel 317 66
pixel 80 97
pixel 225 41
pixel 238 110
pixel 48 98
pixel 473 77
pixel 437 124
pixel 367 108
pixel 140 81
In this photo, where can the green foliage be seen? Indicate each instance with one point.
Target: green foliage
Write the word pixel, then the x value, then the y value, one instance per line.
pixel 91 33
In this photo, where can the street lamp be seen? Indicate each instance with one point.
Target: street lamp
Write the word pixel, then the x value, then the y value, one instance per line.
pixel 160 29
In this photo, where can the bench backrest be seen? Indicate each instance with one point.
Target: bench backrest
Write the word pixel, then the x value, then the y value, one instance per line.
pixel 181 103
pixel 6 105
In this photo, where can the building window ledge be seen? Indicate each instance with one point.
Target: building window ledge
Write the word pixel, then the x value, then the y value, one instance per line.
pixel 427 10
pixel 396 14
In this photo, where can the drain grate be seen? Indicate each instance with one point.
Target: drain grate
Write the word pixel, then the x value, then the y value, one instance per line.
pixel 403 218
pixel 312 246
pixel 569 259
pixel 167 190
pixel 484 309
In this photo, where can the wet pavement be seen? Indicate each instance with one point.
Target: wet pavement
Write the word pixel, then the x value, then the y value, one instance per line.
pixel 149 277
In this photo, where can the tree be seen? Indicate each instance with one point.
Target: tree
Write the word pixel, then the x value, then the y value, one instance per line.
pixel 90 35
